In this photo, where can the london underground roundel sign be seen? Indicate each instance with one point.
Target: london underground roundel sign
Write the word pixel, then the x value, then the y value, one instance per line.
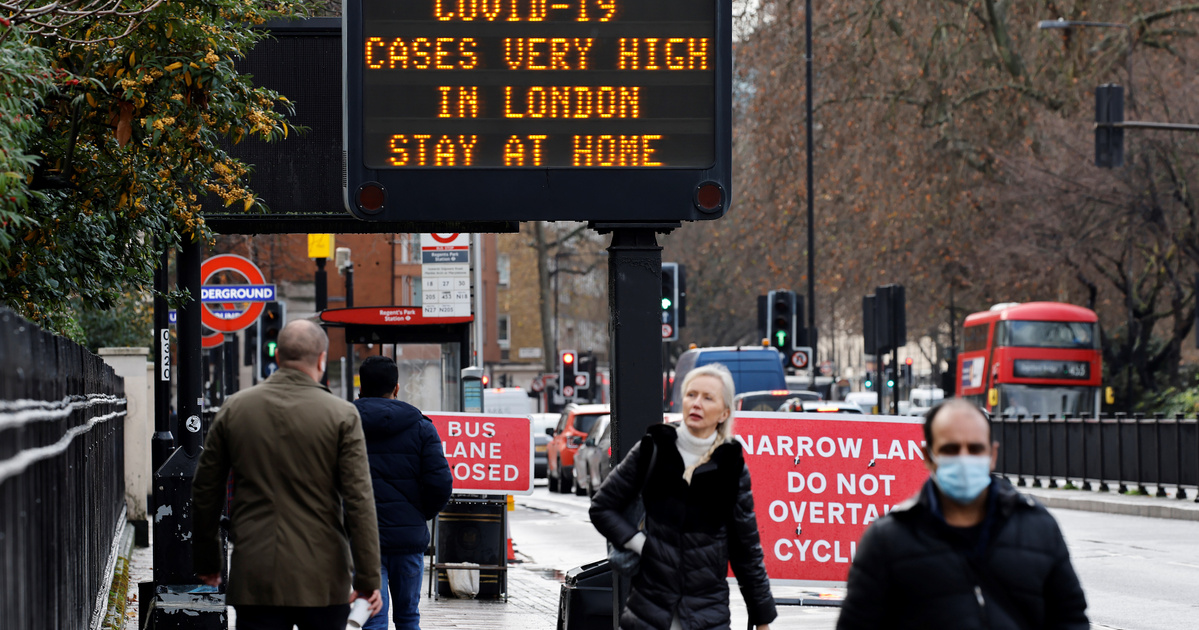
pixel 253 276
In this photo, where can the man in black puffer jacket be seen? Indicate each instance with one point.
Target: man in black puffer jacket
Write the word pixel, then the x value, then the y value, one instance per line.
pixel 968 551
pixel 412 483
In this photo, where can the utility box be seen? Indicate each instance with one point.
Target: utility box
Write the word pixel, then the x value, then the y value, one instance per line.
pixel 473 531
pixel 586 599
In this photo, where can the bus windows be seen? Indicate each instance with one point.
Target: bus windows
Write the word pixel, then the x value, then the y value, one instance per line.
pixel 1029 334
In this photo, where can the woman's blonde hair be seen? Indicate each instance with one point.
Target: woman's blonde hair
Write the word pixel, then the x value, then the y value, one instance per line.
pixel 724 430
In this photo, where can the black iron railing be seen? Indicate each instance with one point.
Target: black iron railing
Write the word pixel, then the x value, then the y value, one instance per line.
pixel 1118 453
pixel 62 478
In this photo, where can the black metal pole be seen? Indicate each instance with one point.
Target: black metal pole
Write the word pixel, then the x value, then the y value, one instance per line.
pixel 191 388
pixel 172 481
pixel 811 185
pixel 634 288
pixel 162 442
pixel 349 346
pixel 322 301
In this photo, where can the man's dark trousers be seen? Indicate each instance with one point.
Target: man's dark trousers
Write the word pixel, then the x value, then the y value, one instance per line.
pixel 284 617
pixel 402 574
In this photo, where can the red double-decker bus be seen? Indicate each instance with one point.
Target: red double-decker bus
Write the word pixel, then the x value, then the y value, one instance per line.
pixel 1032 359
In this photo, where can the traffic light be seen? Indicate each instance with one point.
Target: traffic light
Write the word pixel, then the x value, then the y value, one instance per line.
pixel 567 370
pixel 906 370
pixel 890 379
pixel 1109 140
pixel 670 301
pixel 780 320
pixel 269 324
pixel 868 383
pixel 585 376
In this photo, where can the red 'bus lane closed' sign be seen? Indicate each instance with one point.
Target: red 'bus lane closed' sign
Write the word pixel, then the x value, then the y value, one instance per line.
pixel 488 453
pixel 818 482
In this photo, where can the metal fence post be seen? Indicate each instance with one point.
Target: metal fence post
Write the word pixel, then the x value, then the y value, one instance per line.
pixel 1036 481
pixel 1052 483
pixel 1180 494
pixel 1019 451
pixel 1102 458
pixel 1121 488
pixel 1157 439
pixel 1138 421
pixel 1066 417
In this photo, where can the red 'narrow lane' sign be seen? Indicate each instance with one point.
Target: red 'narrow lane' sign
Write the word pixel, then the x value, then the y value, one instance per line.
pixel 488 453
pixel 818 482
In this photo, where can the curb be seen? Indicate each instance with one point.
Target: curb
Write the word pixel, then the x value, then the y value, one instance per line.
pixel 1114 504
pixel 118 592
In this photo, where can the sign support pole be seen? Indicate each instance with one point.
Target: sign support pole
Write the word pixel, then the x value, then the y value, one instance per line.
pixel 163 442
pixel 173 573
pixel 634 285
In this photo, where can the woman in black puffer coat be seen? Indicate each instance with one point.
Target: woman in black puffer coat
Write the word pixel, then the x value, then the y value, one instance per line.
pixel 699 516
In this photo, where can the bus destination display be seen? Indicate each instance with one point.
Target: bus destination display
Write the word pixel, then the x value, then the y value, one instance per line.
pixel 538 84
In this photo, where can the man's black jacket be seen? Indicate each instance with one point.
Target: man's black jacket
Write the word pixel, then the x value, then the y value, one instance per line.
pixel 912 570
pixel 409 472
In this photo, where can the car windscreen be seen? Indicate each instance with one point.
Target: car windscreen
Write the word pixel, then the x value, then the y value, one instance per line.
pixel 763 402
pixel 584 422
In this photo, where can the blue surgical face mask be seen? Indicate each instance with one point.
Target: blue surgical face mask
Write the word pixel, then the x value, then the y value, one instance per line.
pixel 962 477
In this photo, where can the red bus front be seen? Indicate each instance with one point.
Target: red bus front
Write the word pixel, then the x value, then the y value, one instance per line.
pixel 1032 359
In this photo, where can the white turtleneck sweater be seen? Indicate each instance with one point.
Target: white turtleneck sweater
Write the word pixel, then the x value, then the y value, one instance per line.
pixel 691 448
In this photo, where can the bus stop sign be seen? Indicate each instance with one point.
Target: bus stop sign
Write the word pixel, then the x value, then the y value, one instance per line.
pixel 473 110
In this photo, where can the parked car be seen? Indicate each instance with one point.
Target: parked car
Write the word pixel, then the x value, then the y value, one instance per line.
pixel 541 422
pixel 593 460
pixel 754 369
pixel 565 440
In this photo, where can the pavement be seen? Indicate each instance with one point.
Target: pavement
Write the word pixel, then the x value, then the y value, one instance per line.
pixel 534 590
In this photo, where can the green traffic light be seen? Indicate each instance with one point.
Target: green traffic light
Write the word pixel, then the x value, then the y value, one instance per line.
pixel 270 348
pixel 665 304
pixel 782 337
pixel 869 384
pixel 891 383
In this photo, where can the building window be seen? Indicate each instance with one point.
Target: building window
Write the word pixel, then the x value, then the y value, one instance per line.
pixel 504 268
pixel 505 331
pixel 410 248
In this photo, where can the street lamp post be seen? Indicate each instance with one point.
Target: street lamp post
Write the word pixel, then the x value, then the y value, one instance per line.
pixel 1064 24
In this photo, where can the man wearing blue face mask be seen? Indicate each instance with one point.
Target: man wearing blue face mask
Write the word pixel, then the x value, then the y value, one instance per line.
pixel 968 551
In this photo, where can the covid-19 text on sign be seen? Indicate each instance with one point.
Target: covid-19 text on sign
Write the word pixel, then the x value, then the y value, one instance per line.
pixel 580 110
pixel 819 482
pixel 487 453
pixel 538 83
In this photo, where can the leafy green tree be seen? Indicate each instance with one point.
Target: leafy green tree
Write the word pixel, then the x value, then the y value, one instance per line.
pixel 128 114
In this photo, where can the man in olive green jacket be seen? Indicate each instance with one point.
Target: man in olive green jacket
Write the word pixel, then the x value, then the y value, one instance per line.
pixel 298 455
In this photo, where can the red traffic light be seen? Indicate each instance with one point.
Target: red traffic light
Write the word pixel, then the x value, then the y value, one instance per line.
pixel 908 360
pixel 568 357
pixel 486 380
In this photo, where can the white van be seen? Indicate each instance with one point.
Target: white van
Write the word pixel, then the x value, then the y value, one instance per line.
pixel 512 401
pixel 867 401
pixel 922 399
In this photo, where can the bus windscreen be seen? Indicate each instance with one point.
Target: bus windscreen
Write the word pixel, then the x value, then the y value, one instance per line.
pixel 1030 334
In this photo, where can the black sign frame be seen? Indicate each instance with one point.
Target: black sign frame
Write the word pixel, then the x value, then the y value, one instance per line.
pixel 483 194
